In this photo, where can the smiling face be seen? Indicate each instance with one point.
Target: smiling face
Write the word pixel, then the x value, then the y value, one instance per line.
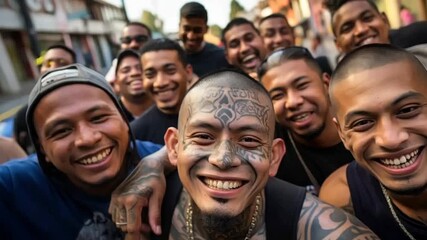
pixel 300 97
pixel 386 132
pixel 244 48
pixel 191 32
pixel 225 150
pixel 129 78
pixel 87 142
pixel 357 23
pixel 276 33
pixel 165 77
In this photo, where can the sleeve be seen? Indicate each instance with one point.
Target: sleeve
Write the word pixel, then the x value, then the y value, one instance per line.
pixel 111 74
pixel 146 148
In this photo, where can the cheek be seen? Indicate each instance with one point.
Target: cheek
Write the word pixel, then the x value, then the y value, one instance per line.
pixel 279 109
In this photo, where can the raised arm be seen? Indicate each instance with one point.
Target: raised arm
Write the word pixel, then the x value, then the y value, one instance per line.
pixel 335 190
pixel 320 220
pixel 144 187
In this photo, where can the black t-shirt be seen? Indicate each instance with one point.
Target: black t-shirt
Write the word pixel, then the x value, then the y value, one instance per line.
pixel 152 125
pixel 211 58
pixel 321 161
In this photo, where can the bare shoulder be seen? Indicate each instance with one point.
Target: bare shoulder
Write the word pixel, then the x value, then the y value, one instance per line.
pixel 335 190
pixel 319 220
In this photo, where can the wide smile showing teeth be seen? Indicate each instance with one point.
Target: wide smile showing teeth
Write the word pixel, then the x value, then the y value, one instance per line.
pixel 248 58
pixel 222 185
pixel 300 117
pixel 96 158
pixel 402 161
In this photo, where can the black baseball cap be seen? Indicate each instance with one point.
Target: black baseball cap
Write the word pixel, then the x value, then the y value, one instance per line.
pixel 123 54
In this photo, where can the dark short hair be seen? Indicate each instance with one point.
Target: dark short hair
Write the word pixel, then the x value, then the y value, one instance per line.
pixel 194 10
pixel 372 56
pixel 140 24
pixel 165 44
pixel 233 23
pixel 282 55
pixel 334 5
pixel 274 15
pixel 65 48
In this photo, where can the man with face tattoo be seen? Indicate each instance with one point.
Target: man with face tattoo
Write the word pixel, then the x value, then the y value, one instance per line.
pixel 225 154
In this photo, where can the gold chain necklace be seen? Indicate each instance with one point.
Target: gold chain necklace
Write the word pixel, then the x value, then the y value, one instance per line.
pixel 189 219
pixel 396 218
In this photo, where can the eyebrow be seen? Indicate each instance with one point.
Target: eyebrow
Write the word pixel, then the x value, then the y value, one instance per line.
pixel 60 121
pixel 217 128
pixel 409 94
pixel 293 82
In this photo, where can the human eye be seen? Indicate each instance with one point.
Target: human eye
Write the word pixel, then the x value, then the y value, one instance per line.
pixel 202 138
pixel 361 125
pixel 302 85
pixel 346 28
pixel 170 70
pixel 250 142
pixel 409 111
pixel 59 132
pixel 149 74
pixel 277 96
pixel 269 33
pixel 367 17
pixel 233 44
pixel 99 118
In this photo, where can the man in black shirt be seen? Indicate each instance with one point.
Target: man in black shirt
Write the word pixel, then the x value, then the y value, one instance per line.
pixel 166 73
pixel 298 89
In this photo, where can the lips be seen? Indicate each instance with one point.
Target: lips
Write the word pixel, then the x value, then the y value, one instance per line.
pixel 367 40
pixel 251 61
pixel 95 158
pixel 300 117
pixel 402 161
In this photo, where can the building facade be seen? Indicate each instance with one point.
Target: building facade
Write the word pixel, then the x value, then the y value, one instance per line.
pixel 90 27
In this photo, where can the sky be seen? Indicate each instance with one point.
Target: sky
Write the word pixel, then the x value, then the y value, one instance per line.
pixel 168 10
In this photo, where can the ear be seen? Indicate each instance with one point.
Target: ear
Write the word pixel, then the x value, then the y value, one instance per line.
pixel 326 78
pixel 340 133
pixel 171 142
pixel 189 70
pixel 43 151
pixel 278 150
pixel 385 18
pixel 340 50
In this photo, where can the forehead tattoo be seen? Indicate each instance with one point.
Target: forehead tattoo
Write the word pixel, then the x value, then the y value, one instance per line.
pixel 230 104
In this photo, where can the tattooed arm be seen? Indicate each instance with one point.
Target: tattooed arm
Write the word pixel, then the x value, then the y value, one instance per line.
pixel 320 220
pixel 144 187
pixel 335 190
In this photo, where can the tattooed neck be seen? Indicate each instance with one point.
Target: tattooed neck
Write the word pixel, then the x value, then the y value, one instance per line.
pixel 209 226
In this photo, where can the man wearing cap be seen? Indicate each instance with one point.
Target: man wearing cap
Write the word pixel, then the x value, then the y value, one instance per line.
pixel 84 150
pixel 203 56
pixel 134 36
pixel 133 97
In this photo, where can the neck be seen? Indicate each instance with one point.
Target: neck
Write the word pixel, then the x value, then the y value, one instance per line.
pixel 212 226
pixel 138 104
pixel 413 206
pixel 327 138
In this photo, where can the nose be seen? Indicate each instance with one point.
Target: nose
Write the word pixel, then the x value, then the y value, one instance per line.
pixel 86 135
pixel 390 135
pixel 293 100
pixel 161 80
pixel 278 39
pixel 244 47
pixel 361 28
pixel 134 44
pixel 224 155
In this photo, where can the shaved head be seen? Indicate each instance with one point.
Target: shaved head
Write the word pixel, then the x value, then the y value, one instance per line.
pixel 369 57
pixel 234 88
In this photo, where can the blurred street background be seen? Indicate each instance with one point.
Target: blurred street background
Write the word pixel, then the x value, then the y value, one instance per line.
pixel 92 28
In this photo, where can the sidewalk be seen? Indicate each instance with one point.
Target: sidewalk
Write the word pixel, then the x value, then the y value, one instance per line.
pixel 11 103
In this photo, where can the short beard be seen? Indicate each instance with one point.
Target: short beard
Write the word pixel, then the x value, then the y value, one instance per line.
pixel 313 133
pixel 224 226
pixel 409 192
